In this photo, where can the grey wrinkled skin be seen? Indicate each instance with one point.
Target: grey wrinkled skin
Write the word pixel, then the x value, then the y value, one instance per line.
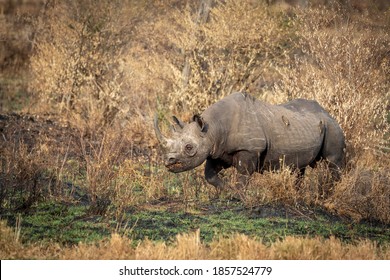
pixel 251 135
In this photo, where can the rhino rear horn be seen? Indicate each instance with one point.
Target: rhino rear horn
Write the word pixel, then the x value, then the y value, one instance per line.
pixel 178 124
pixel 160 137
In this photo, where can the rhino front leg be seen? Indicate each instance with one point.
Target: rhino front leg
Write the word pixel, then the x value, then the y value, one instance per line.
pixel 245 162
pixel 213 167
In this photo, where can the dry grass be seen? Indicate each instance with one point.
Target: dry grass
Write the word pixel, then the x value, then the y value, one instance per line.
pixel 363 192
pixel 21 171
pixel 189 247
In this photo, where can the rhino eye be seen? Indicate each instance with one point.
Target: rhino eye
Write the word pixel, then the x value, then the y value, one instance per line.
pixel 189 147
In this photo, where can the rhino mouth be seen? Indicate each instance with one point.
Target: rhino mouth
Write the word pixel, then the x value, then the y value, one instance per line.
pixel 175 167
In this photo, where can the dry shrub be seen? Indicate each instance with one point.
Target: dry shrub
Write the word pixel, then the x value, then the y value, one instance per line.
pixel 272 187
pixel 34 156
pixel 363 192
pixel 83 71
pixel 287 187
pixel 78 63
pixel 317 185
pixel 213 56
pixel 91 67
pixel 102 160
pixel 16 34
pixel 115 175
pixel 22 171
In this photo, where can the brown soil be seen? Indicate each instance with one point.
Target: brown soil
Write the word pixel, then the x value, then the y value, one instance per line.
pixel 57 136
pixel 34 130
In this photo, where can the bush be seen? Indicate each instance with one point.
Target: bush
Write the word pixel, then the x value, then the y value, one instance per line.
pixel 21 174
pixel 78 65
pixel 222 50
pixel 363 193
pixel 114 180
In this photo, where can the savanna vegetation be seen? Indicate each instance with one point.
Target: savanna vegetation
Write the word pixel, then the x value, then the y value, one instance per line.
pixel 81 175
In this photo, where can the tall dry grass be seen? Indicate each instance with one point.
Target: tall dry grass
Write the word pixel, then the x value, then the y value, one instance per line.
pixel 189 247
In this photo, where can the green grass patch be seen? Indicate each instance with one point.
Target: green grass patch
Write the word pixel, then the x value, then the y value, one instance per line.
pixel 71 224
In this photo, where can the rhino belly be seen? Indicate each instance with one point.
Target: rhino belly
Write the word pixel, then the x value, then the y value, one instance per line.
pixel 278 159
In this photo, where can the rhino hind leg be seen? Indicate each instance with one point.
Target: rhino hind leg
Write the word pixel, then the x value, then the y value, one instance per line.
pixel 334 152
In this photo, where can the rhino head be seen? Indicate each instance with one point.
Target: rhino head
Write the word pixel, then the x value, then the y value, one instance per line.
pixel 188 146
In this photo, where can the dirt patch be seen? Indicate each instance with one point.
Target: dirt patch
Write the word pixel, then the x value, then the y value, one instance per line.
pixel 33 130
pixel 57 136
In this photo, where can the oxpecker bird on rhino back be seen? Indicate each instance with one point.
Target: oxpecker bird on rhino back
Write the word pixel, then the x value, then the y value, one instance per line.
pixel 251 135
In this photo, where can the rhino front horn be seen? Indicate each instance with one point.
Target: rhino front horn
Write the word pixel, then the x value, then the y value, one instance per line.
pixel 161 138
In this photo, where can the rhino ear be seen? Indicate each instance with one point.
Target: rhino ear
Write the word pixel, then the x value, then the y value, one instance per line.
pixel 178 124
pixel 200 121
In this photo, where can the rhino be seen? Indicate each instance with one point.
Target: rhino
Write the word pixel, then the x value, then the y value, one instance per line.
pixel 254 136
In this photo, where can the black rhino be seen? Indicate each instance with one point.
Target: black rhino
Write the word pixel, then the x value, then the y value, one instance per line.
pixel 251 135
